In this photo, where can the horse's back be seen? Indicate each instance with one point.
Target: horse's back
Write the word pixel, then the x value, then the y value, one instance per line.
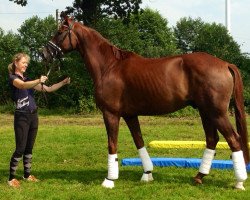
pixel 182 73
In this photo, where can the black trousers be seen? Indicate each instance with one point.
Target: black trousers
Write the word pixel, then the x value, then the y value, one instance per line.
pixel 25 126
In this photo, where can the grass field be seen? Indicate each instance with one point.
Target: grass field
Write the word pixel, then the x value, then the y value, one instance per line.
pixel 70 159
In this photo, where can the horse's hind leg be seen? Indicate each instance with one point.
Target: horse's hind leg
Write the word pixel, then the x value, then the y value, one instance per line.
pixel 212 139
pixel 234 141
pixel 134 127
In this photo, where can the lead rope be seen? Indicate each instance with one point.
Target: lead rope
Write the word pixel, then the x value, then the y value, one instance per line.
pixel 44 95
pixel 43 90
pixel 42 84
pixel 48 73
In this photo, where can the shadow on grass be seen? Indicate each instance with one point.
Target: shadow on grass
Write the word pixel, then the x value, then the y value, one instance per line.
pixel 179 179
pixel 89 176
pixel 86 176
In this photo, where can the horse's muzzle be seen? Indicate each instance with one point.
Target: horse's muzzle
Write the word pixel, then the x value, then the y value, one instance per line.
pixel 51 51
pixel 46 55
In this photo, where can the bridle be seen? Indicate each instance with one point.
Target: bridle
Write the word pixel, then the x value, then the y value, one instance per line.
pixel 56 52
pixel 53 48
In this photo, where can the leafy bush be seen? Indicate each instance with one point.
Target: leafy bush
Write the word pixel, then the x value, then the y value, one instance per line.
pixel 185 112
pixel 86 105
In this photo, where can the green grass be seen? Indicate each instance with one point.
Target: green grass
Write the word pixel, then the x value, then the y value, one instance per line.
pixel 70 159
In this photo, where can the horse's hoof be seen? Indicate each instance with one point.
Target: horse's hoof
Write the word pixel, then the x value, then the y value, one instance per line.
pixel 239 186
pixel 197 181
pixel 108 183
pixel 147 177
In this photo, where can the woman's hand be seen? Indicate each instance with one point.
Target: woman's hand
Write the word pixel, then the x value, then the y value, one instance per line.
pixel 66 81
pixel 43 79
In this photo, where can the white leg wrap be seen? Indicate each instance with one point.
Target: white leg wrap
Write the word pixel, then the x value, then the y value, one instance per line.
pixel 146 161
pixel 239 166
pixel 206 162
pixel 113 169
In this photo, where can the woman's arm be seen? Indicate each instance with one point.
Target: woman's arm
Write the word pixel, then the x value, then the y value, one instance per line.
pixel 52 88
pixel 29 84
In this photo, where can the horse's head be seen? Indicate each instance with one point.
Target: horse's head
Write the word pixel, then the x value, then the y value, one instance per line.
pixel 64 40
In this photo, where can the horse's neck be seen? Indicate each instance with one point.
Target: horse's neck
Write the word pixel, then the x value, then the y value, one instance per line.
pixel 93 55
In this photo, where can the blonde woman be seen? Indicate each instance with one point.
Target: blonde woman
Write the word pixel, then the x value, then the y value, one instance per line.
pixel 25 117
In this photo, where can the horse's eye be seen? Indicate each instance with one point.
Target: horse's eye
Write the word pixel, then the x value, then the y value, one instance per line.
pixel 59 32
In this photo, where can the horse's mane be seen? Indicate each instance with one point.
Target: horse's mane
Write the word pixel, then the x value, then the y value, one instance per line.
pixel 120 54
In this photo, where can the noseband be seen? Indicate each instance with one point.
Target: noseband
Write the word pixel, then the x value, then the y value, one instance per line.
pixel 57 51
pixel 53 48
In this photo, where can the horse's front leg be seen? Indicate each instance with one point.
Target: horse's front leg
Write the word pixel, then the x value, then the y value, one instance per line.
pixel 112 126
pixel 134 127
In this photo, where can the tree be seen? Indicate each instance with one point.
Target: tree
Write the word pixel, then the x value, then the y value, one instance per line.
pixel 10 44
pixel 157 39
pixel 36 32
pixel 215 39
pixel 147 34
pixel 186 32
pixel 194 35
pixel 123 36
pixel 20 2
pixel 90 11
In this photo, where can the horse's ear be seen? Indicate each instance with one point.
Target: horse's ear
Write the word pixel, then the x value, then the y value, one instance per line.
pixel 116 52
pixel 65 18
pixel 64 15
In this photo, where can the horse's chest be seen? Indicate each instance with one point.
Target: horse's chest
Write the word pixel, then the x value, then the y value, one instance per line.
pixel 108 96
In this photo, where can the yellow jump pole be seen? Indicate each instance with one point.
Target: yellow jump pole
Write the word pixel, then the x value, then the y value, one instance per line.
pixel 185 144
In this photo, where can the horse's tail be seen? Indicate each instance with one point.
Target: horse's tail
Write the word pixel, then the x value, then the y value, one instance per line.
pixel 240 116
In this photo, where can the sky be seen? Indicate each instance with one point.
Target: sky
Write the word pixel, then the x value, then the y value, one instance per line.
pixel 12 16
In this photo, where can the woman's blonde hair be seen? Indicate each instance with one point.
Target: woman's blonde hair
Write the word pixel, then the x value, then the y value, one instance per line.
pixel 16 58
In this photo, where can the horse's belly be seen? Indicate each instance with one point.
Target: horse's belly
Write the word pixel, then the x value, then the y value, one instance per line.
pixel 153 107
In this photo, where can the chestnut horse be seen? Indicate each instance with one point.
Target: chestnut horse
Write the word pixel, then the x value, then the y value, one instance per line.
pixel 128 85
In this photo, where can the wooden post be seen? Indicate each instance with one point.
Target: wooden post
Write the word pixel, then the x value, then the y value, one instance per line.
pixel 57 19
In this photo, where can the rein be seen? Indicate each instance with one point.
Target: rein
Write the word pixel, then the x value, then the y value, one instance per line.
pixel 56 52
pixel 48 73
